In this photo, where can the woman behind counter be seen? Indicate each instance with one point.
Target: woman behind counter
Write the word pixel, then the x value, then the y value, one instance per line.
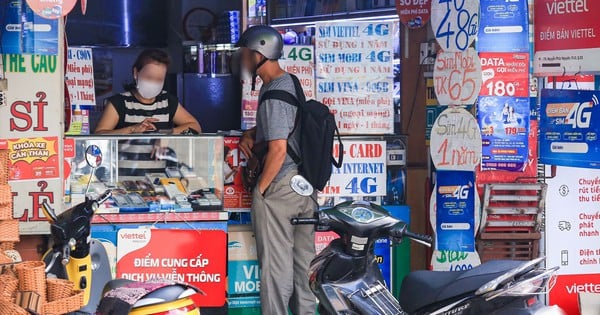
pixel 145 107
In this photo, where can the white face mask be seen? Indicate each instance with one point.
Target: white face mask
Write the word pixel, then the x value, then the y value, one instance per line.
pixel 149 89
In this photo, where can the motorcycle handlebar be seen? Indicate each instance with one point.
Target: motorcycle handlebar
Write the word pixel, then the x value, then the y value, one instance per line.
pixel 421 238
pixel 307 221
pixel 102 198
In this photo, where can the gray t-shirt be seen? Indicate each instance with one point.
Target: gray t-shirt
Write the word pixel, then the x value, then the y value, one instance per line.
pixel 275 120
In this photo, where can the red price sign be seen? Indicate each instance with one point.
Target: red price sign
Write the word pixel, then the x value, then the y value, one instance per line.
pixel 505 74
pixel 457 77
pixel 414 13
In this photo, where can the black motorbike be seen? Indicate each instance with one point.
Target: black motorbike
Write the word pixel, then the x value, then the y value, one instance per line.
pixel 346 279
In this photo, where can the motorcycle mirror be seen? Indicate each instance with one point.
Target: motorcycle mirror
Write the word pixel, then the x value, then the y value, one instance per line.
pixel 301 186
pixel 93 156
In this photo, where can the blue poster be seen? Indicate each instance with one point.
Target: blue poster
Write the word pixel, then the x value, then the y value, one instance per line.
pixel 39 35
pixel 10 31
pixel 504 125
pixel 503 26
pixel 569 128
pixel 455 211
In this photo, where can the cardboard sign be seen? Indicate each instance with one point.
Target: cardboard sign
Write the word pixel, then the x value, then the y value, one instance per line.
pixel 569 128
pixel 179 255
pixel 567 37
pixel 51 9
pixel 355 75
pixel 414 13
pixel 572 234
pixel 455 141
pixel 363 172
pixel 505 74
pixel 79 76
pixel 504 26
pixel 455 23
pixel 457 77
pixel 504 125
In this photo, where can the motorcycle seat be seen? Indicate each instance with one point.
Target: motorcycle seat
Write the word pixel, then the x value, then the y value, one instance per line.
pixel 422 288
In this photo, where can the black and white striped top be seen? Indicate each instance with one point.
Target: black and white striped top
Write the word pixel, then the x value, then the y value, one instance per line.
pixel 132 111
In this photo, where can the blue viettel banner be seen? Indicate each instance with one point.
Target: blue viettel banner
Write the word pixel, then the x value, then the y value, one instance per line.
pixel 504 26
pixel 455 212
pixel 569 127
pixel 504 125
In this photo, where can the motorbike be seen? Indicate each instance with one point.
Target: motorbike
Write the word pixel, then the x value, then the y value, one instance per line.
pixel 346 279
pixel 77 257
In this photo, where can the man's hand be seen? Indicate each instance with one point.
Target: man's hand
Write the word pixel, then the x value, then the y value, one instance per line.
pixel 247 142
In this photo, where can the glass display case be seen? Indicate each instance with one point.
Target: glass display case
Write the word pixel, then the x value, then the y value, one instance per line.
pixel 149 173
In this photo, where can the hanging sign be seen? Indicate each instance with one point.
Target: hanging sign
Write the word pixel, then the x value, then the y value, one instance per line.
pixel 505 74
pixel 363 172
pixel 455 23
pixel 457 77
pixel 504 26
pixel 179 255
pixel 414 13
pixel 567 37
pixel 455 141
pixel 33 158
pixel 79 76
pixel 572 234
pixel 451 260
pixel 355 75
pixel 504 125
pixel 297 60
pixel 51 9
pixel 569 128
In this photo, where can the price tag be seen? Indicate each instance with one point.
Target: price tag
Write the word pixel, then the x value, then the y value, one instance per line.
pixel 505 74
pixel 455 23
pixel 455 141
pixel 457 77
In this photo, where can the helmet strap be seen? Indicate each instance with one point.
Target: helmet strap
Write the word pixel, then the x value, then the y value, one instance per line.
pixel 254 73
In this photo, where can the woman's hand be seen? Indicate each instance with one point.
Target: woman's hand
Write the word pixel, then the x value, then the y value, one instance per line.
pixel 146 125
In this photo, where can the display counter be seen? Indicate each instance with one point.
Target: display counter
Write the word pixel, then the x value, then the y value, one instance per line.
pixel 150 174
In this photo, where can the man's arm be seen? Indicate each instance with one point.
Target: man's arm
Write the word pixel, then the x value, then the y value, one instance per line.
pixel 273 163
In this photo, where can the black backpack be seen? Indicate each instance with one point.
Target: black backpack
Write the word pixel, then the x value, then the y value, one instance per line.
pixel 317 130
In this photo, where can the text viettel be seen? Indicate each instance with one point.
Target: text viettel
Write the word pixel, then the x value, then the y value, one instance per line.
pixel 567 7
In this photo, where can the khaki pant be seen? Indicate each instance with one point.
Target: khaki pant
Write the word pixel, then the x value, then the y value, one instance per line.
pixel 284 250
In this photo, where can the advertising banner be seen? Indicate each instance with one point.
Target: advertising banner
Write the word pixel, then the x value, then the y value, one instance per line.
pixel 32 158
pixel 355 75
pixel 178 255
pixel 363 172
pixel 39 34
pixel 572 234
pixel 79 76
pixel 297 60
pixel 505 74
pixel 568 130
pixel 235 197
pixel 567 37
pixel 504 26
pixel 414 13
pixel 11 27
pixel 457 77
pixel 33 114
pixel 243 289
pixel 455 141
pixel 455 23
pixel 504 123
pixel 455 215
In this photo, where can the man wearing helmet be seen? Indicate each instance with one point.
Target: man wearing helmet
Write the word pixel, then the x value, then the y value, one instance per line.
pixel 284 250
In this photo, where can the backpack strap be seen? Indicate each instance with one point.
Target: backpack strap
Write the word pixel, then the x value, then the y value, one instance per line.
pixel 289 98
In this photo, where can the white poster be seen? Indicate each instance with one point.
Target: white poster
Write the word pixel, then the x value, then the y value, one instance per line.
pixel 363 172
pixel 457 77
pixel 455 23
pixel 573 220
pixel 355 75
pixel 33 110
pixel 297 60
pixel 79 76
